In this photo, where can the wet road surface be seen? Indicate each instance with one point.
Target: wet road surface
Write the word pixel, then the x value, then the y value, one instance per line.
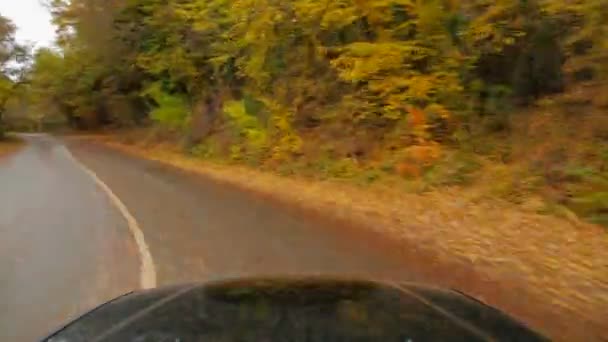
pixel 64 247
pixel 198 229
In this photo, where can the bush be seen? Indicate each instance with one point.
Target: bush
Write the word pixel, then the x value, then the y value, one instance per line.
pixel 251 138
pixel 456 168
pixel 592 206
pixel 169 110
pixel 206 150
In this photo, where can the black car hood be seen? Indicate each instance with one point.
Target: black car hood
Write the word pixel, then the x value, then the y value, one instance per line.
pixel 295 310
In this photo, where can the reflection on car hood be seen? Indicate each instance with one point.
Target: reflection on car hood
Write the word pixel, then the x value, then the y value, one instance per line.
pixel 295 310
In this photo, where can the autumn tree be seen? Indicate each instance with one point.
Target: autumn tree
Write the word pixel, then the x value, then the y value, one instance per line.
pixel 7 47
pixel 264 73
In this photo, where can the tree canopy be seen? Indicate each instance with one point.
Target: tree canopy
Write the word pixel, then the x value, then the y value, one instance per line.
pixel 267 72
pixel 7 53
pixel 384 86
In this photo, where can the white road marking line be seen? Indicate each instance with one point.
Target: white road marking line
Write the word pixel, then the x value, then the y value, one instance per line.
pixel 147 269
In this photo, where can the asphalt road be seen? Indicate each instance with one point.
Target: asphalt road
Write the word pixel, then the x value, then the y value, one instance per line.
pixel 64 248
pixel 67 242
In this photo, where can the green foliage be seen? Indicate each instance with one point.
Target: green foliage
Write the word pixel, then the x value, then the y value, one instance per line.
pixel 10 54
pixel 588 189
pixel 586 38
pixel 579 173
pixel 343 168
pixel 456 168
pixel 251 137
pixel 383 56
pixel 207 150
pixel 247 126
pixel 591 206
pixel 168 109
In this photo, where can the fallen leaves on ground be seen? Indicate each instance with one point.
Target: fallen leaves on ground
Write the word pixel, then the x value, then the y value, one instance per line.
pixel 9 146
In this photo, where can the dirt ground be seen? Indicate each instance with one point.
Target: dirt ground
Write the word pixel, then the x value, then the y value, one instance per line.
pixel 549 272
pixel 10 145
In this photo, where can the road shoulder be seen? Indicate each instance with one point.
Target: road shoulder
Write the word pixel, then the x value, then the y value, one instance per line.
pixel 10 145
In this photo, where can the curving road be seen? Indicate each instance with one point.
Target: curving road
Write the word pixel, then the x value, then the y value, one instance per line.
pixel 66 245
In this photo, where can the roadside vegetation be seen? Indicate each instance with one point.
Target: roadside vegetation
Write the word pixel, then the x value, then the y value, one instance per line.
pixel 11 54
pixel 451 123
pixel 508 97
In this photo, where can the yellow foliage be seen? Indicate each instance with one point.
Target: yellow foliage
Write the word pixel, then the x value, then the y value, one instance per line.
pixel 440 110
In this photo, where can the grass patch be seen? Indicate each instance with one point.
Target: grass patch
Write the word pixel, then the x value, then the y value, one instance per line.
pixel 456 168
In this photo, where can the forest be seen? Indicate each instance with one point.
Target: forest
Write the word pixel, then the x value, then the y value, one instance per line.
pixel 512 94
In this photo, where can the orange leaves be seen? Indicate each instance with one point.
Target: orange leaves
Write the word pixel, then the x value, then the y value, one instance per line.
pixel 424 155
pixel 408 170
pixel 417 117
pixel 417 120
pixel 417 158
pixel 420 121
